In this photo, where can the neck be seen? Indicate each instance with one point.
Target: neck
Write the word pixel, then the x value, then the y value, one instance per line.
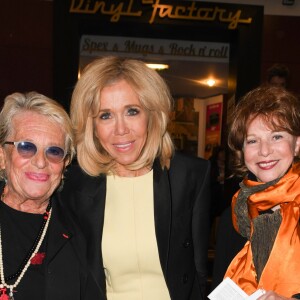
pixel 122 172
pixel 28 206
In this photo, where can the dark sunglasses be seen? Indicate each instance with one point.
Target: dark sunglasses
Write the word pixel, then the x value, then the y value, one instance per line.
pixel 27 150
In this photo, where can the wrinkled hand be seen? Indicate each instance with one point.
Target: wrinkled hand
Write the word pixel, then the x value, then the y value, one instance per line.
pixel 270 295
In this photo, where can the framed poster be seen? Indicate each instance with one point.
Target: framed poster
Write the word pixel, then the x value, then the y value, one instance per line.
pixel 184 126
pixel 213 127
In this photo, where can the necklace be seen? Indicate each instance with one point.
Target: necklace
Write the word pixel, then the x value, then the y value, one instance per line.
pixel 25 265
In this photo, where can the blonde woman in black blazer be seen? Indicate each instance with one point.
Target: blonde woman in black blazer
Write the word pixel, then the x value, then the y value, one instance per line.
pixel 144 209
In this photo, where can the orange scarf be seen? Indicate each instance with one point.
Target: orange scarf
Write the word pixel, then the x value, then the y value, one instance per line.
pixel 281 272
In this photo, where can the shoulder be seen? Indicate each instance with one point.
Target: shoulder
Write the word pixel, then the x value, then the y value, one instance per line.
pixel 188 162
pixel 76 179
pixel 81 191
pixel 190 169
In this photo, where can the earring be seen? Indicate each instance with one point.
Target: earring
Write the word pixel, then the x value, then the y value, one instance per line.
pixel 61 186
pixel 3 175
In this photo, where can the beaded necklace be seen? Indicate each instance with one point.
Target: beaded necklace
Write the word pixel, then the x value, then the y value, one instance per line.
pixel 27 261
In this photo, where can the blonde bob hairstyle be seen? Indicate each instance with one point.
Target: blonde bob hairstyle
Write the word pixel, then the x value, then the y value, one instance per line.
pixel 154 96
pixel 278 108
pixel 19 103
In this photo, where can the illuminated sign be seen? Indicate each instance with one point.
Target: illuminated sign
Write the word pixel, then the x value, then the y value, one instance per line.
pixel 191 10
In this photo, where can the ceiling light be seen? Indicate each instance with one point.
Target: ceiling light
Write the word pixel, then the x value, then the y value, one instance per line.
pixel 157 66
pixel 210 82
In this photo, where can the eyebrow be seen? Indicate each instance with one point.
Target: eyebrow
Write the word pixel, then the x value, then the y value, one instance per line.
pixel 126 106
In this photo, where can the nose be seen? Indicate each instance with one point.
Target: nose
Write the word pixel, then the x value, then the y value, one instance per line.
pixel 265 148
pixel 39 159
pixel 121 126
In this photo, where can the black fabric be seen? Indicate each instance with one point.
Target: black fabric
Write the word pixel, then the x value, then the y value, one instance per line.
pixel 229 243
pixel 218 203
pixel 18 233
pixel 68 275
pixel 181 213
pixel 64 274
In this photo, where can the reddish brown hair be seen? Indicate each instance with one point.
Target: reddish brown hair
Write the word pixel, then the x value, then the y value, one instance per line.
pixel 278 108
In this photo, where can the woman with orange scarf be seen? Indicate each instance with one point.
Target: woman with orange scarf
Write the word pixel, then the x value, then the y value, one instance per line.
pixel 265 140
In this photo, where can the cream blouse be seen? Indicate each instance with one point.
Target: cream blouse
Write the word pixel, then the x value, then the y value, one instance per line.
pixel 129 247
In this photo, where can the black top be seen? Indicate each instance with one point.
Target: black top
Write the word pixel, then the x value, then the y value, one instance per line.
pixel 18 233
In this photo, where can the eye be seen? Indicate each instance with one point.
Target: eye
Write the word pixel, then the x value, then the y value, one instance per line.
pixel 277 137
pixel 250 141
pixel 132 111
pixel 104 115
pixel 26 148
pixel 55 151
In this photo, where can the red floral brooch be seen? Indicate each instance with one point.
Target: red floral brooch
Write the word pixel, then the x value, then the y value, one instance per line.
pixel 38 258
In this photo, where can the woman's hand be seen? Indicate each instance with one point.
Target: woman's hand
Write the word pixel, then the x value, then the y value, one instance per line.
pixel 270 295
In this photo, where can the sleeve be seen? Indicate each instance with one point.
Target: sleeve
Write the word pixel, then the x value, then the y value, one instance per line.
pixel 201 224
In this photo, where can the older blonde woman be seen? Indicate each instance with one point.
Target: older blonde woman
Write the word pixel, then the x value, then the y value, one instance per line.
pixel 144 209
pixel 42 254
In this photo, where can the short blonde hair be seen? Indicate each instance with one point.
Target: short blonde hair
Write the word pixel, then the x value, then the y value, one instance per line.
pixel 154 96
pixel 17 103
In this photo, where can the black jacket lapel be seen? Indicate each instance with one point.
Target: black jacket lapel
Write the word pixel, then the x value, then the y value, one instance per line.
pixel 58 233
pixel 162 213
pixel 92 203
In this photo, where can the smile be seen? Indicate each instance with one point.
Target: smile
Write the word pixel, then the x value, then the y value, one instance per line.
pixel 123 147
pixel 267 164
pixel 37 176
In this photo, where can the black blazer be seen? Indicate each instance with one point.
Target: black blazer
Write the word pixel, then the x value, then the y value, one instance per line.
pixel 181 208
pixel 67 276
pixel 225 252
pixel 67 273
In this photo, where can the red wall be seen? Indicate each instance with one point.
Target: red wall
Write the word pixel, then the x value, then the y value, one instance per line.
pixel 281 44
pixel 26 59
pixel 26 39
